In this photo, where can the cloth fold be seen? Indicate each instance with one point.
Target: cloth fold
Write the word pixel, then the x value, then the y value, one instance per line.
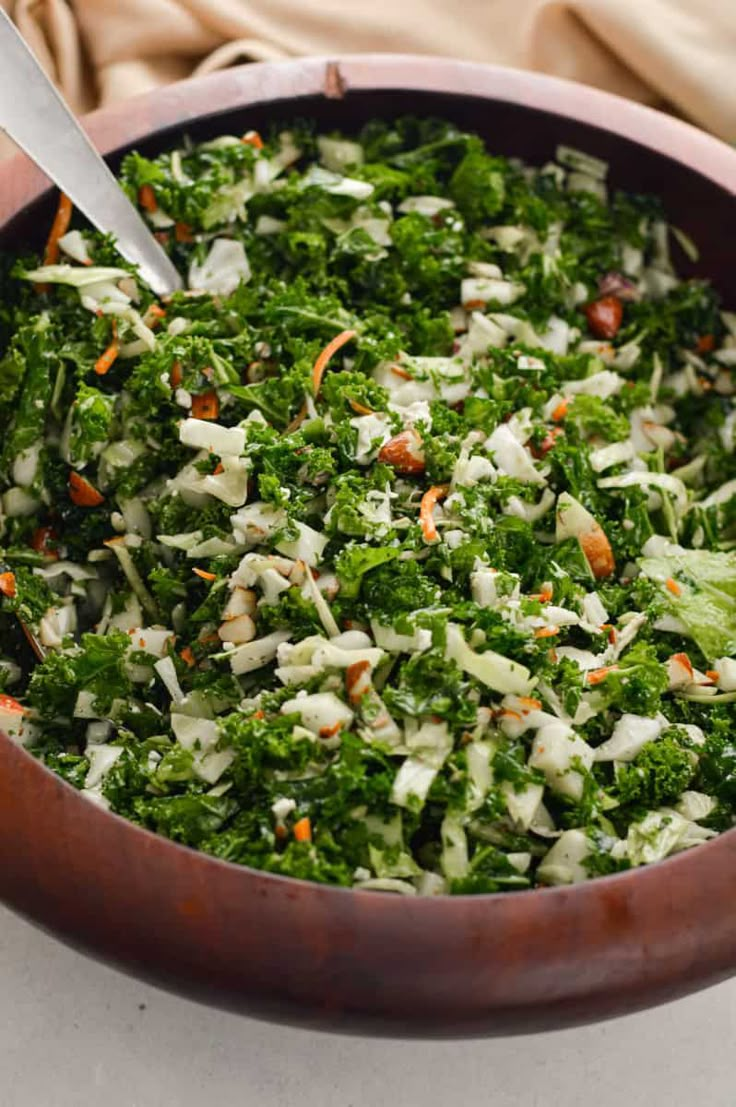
pixel 677 54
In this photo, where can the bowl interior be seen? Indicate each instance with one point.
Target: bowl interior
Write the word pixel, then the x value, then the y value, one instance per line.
pixel 701 208
pixel 251 940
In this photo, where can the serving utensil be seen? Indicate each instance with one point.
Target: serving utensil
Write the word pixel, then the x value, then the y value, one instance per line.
pixel 34 115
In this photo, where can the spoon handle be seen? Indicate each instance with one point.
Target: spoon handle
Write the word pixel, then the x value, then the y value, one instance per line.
pixel 34 115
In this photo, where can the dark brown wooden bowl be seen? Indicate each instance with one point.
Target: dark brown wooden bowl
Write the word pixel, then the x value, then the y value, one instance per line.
pixel 360 960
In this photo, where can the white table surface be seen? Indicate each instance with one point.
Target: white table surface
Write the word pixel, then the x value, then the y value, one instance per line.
pixel 77 1034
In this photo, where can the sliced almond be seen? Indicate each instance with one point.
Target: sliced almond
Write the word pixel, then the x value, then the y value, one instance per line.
pixel 239 630
pixel 242 602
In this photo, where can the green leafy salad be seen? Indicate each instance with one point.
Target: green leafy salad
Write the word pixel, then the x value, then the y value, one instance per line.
pixel 397 550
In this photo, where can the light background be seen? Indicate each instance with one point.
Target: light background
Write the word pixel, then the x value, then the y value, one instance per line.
pixel 73 1034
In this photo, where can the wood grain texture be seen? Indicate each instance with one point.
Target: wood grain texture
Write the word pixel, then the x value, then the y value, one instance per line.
pixel 360 961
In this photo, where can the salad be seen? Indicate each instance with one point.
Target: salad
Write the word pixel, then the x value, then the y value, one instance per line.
pixel 394 552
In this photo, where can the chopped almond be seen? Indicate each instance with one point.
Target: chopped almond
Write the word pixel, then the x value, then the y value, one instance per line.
pixel 598 552
pixel 605 316
pixel 357 680
pixel 404 453
pixel 82 493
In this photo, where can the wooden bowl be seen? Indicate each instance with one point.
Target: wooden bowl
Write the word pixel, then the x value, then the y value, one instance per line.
pixel 360 960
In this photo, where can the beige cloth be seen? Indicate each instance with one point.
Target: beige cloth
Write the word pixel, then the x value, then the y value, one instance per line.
pixel 679 54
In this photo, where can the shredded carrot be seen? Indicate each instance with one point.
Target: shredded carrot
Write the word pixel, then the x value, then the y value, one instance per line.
pixel 147 198
pixel 205 575
pixel 7 703
pixel 303 830
pixel 176 375
pixel 154 314
pixel 329 351
pixel 507 713
pixel 183 232
pixel 219 468
pixel 399 372
pixel 105 361
pixel 188 657
pixel 205 405
pixel 705 344
pixel 329 731
pixel 673 587
pixel 529 703
pixel 597 676
pixel 252 138
pixel 548 442
pixel 546 632
pixel 560 411
pixel 473 305
pixel 611 632
pixel 713 674
pixel 82 493
pixel 59 227
pixel 544 596
pixel 353 677
pixel 259 714
pixel 426 519
pixel 318 372
pixel 7 585
pixel 360 409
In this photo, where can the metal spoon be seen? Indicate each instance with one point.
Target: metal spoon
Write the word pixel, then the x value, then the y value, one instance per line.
pixel 34 115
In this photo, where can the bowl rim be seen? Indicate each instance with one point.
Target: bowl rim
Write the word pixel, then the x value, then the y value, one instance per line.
pixel 176 106
pixel 336 76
